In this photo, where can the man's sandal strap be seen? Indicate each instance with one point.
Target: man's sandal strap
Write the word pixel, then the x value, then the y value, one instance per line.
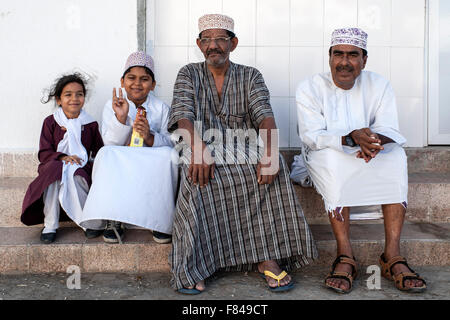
pixel 346 260
pixel 340 275
pixel 279 277
pixel 387 266
pixel 401 277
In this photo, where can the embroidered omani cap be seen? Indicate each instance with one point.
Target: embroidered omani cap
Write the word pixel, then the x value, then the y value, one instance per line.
pixel 215 21
pixel 139 59
pixel 352 36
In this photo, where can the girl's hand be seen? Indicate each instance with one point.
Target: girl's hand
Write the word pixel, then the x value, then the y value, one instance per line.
pixel 71 160
pixel 120 106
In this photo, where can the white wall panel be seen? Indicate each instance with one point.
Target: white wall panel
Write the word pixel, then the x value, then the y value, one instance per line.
pixel 41 40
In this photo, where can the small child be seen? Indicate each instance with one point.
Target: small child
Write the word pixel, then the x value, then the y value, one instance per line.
pixel 69 137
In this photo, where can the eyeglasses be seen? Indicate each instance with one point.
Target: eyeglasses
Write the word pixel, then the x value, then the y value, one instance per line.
pixel 219 41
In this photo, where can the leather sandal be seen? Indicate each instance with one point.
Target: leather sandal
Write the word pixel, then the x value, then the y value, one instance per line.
pixel 399 279
pixel 342 275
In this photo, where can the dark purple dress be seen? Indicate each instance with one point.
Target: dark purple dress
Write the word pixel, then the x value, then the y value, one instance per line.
pixel 50 168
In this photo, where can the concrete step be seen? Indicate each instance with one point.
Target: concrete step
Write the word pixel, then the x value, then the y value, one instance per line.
pixel 428 200
pixel 21 251
pixel 428 159
pixel 18 164
pixel 428 195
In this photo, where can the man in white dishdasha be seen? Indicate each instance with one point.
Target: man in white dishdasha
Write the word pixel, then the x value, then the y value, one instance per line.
pixel 353 151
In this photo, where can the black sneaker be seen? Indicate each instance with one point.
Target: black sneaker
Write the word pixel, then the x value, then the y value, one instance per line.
pixel 48 238
pixel 161 237
pixel 113 232
pixel 91 233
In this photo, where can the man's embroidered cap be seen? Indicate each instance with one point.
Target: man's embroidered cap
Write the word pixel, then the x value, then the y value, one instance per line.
pixel 352 36
pixel 215 21
pixel 140 59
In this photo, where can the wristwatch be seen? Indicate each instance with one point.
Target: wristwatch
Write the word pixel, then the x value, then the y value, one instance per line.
pixel 349 141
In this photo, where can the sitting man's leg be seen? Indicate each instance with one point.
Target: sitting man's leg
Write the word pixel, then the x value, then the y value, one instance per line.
pixel 341 230
pixel 394 216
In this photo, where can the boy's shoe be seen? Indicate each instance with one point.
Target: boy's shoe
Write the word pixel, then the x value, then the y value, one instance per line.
pixel 48 238
pixel 113 232
pixel 91 233
pixel 161 238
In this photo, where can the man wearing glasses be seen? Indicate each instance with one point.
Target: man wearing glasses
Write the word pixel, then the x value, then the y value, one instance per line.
pixel 236 208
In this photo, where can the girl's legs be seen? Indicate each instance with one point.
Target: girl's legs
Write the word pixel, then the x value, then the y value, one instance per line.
pixel 51 208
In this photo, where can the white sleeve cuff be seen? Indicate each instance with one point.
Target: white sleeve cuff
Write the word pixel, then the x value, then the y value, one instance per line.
pixel 117 133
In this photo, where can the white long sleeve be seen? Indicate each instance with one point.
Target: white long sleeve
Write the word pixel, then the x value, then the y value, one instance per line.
pixel 312 124
pixel 115 133
pixel 326 113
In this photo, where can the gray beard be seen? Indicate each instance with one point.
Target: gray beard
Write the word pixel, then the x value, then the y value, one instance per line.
pixel 218 63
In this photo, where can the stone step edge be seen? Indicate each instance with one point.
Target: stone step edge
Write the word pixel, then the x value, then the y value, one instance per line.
pixel 321 232
pixel 431 248
pixel 140 258
pixel 431 208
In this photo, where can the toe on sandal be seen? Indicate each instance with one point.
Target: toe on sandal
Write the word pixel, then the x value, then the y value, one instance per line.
pixel 399 279
pixel 342 275
pixel 279 277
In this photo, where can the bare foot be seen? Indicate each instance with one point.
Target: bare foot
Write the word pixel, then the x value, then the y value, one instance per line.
pixel 200 286
pixel 273 267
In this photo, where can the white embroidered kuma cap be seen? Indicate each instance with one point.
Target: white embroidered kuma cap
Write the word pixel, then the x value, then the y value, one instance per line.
pixel 140 59
pixel 352 36
pixel 215 21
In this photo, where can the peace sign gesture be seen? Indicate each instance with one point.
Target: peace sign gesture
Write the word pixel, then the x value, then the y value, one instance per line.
pixel 120 106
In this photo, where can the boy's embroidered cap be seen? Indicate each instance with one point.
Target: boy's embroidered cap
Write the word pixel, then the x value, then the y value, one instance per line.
pixel 140 59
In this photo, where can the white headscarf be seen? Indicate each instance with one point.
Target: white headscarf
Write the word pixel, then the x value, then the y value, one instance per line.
pixel 71 145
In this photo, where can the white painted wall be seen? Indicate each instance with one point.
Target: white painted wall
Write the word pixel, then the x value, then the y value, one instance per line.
pixel 288 40
pixel 40 40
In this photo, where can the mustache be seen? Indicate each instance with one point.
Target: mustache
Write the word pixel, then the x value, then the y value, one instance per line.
pixel 345 68
pixel 217 51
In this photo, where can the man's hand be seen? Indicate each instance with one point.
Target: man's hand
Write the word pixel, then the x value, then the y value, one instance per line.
pixel 266 164
pixel 200 173
pixel 369 143
pixel 120 106
pixel 71 160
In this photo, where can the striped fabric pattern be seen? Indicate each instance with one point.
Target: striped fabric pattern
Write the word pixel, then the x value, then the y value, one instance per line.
pixel 233 223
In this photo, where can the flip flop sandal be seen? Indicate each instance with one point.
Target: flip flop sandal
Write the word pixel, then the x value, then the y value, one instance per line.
pixel 342 275
pixel 192 291
pixel 399 279
pixel 279 277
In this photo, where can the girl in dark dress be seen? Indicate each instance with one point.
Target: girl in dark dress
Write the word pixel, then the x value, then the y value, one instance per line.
pixel 69 139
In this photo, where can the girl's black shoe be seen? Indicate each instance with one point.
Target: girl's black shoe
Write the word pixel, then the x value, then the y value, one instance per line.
pixel 48 238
